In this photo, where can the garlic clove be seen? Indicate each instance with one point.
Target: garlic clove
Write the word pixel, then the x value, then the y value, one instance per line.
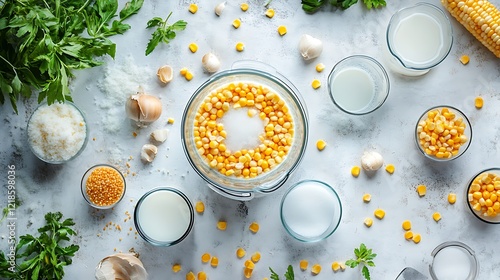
pixel 143 108
pixel 310 47
pixel 219 8
pixel 120 266
pixel 210 63
pixel 160 135
pixel 148 152
pixel 372 161
pixel 165 74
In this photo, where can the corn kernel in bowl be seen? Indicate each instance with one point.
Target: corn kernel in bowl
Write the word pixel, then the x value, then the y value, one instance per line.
pixel 483 195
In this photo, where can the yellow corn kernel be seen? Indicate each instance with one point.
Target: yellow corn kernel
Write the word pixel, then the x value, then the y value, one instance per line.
pixel 316 84
pixel 183 71
pixel 436 216
pixel 355 170
pixel 193 47
pixel 240 252
pixel 406 225
pixel 190 276
pixel 408 235
pixel 254 227
pixel 247 272
pixel 202 275
pixel 222 225
pixel 367 197
pixel 282 30
pixel 205 258
pixel 244 7
pixel 335 266
pixel 240 46
pixel 270 13
pixel 170 120
pixel 200 207
pixel 255 257
pixel 421 190
pixel 452 198
pixel 379 213
pixel 236 23
pixel 478 102
pixel 464 59
pixel 316 269
pixel 189 76
pixel 390 168
pixel 320 67
pixel 176 267
pixel 303 265
pixel 214 262
pixel 320 144
pixel 249 264
pixel 368 222
pixel 193 8
pixel 416 238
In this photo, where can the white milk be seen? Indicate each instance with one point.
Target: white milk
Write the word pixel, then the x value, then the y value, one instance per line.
pixel 164 216
pixel 353 89
pixel 452 263
pixel 242 130
pixel 308 209
pixel 417 38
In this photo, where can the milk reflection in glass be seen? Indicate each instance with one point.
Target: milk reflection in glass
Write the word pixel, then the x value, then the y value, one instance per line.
pixel 353 89
pixel 452 263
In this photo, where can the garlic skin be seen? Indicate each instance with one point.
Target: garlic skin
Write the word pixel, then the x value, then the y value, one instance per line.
pixel 160 135
pixel 120 266
pixel 310 47
pixel 219 8
pixel 372 161
pixel 210 63
pixel 165 74
pixel 143 108
pixel 148 152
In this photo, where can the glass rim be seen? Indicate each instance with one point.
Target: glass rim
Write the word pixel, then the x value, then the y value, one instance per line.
pixel 472 258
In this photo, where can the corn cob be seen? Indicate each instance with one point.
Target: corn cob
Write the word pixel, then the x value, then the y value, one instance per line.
pixel 480 18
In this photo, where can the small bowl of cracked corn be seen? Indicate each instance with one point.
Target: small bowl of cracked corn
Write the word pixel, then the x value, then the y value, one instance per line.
pixel 245 130
pixel 443 133
pixel 103 186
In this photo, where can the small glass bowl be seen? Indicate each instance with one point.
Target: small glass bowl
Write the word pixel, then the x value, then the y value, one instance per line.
pixel 363 73
pixel 467 133
pixel 86 176
pixel 167 207
pixel 310 211
pixel 450 257
pixel 480 214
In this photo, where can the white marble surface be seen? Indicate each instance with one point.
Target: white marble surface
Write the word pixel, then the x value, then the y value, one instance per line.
pixel 389 130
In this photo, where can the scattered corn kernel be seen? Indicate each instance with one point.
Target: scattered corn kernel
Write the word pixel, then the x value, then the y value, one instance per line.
pixel 406 225
pixel 255 257
pixel 320 67
pixel 170 120
pixel 249 264
pixel 189 76
pixel 254 227
pixel 436 216
pixel 316 269
pixel 244 7
pixel 303 265
pixel 320 144
pixel 408 235
pixel 421 190
pixel 247 272
pixel 222 225
pixel 214 262
pixel 240 46
pixel 368 222
pixel 193 8
pixel 193 47
pixel 240 253
pixel 367 197
pixel 190 276
pixel 316 84
pixel 270 13
pixel 478 102
pixel 236 23
pixel 202 275
pixel 452 198
pixel 416 238
pixel 176 268
pixel 390 168
pixel 282 30
pixel 355 170
pixel 200 207
pixel 379 213
pixel 335 266
pixel 464 59
pixel 205 258
pixel 183 71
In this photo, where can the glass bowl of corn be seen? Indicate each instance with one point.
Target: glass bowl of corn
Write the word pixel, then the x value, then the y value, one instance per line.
pixel 443 133
pixel 103 186
pixel 483 195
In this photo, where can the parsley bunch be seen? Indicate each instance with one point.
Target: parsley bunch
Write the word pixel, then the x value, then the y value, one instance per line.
pixel 289 275
pixel 164 32
pixel 42 42
pixel 44 256
pixel 312 6
pixel 364 257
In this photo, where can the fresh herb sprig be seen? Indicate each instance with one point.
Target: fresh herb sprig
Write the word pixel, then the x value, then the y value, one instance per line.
pixel 164 32
pixel 43 256
pixel 311 6
pixel 289 275
pixel 364 257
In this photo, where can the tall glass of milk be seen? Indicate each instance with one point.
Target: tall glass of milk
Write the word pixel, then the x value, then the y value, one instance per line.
pixel 453 260
pixel 418 38
pixel 164 216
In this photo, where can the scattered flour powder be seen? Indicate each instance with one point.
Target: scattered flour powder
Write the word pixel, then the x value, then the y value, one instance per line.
pixel 57 132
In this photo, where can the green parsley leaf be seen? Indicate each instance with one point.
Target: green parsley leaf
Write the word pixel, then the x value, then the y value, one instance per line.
pixel 164 32
pixel 289 275
pixel 374 3
pixel 274 275
pixel 364 257
pixel 130 9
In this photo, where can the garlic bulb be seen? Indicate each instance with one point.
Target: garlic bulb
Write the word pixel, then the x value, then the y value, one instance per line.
pixel 143 108
pixel 210 63
pixel 160 135
pixel 120 266
pixel 219 8
pixel 372 161
pixel 165 74
pixel 310 47
pixel 148 152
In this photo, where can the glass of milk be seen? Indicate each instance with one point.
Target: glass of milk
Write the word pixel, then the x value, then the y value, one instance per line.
pixel 164 216
pixel 310 211
pixel 358 85
pixel 418 39
pixel 453 260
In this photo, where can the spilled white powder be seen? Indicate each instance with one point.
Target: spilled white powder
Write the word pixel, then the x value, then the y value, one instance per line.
pixel 57 132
